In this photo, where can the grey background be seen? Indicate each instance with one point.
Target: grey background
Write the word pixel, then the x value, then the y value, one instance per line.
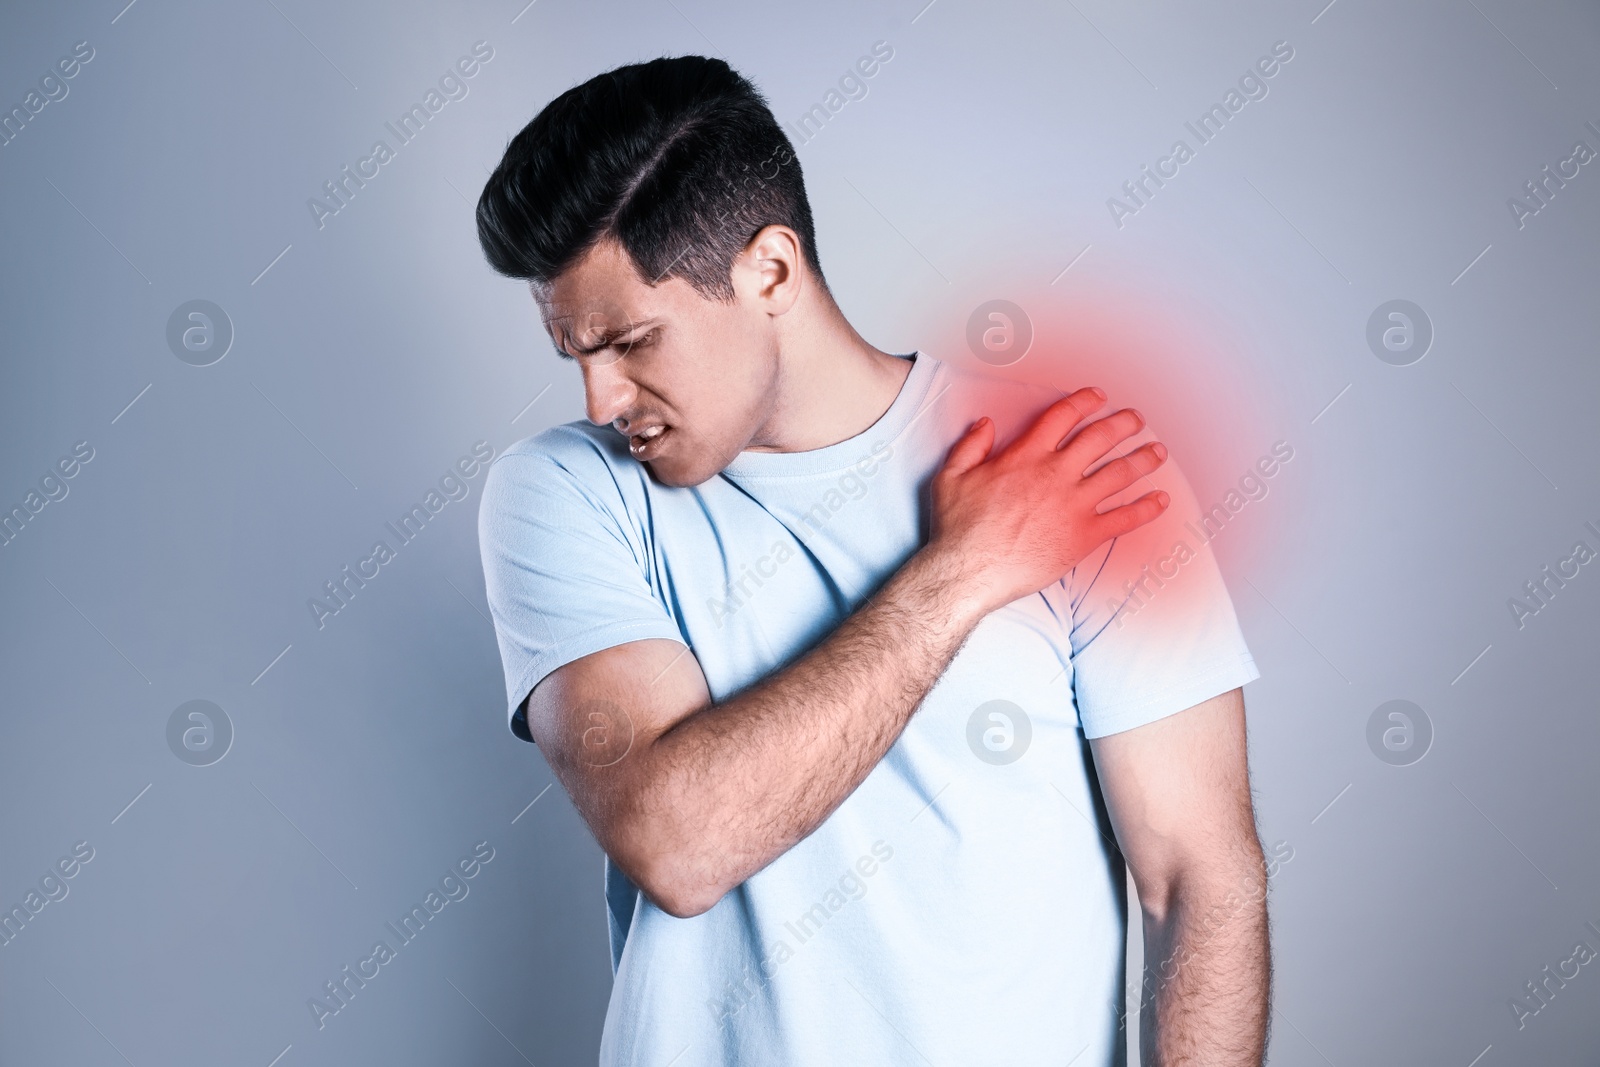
pixel 370 354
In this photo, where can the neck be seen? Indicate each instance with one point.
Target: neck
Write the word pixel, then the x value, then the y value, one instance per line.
pixel 830 384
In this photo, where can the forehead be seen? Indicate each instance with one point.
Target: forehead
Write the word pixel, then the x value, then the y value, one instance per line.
pixel 601 288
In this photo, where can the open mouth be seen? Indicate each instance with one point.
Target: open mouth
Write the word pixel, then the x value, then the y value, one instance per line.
pixel 648 445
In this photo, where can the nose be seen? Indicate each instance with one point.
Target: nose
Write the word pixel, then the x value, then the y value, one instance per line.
pixel 607 392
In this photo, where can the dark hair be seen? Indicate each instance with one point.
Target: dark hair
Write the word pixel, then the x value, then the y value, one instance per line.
pixel 680 160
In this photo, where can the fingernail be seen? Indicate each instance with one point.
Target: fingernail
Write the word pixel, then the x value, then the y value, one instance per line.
pixel 1100 394
pixel 1163 499
pixel 1160 450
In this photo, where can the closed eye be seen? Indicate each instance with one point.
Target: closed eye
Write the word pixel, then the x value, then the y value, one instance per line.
pixel 622 347
pixel 644 340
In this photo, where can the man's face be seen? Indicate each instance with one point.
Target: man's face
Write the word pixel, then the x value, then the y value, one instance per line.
pixel 665 356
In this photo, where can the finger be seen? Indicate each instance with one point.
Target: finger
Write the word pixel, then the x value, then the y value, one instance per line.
pixel 1120 473
pixel 972 449
pixel 1100 437
pixel 1059 418
pixel 1128 517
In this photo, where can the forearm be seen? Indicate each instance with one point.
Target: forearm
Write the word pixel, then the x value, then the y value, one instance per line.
pixel 1207 962
pixel 732 787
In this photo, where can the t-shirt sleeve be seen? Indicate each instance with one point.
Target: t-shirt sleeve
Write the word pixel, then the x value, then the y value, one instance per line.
pixel 566 574
pixel 1153 631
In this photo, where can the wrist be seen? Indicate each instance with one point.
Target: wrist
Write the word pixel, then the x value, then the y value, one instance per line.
pixel 951 585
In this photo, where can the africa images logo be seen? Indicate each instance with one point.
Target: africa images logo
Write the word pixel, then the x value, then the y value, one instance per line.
pixel 1252 86
pixel 405 129
pixel 455 485
pixel 453 887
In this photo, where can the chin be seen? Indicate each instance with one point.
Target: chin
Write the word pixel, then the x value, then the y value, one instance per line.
pixel 684 469
pixel 677 475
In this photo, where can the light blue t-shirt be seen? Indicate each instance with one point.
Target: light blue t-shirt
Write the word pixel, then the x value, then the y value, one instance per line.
pixel 964 905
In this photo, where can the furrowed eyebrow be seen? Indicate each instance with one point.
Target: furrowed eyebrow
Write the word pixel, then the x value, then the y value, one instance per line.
pixel 610 338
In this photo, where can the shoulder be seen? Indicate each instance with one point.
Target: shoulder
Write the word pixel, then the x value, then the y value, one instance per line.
pixel 963 394
pixel 572 464
pixel 993 382
pixel 576 452
pixel 575 446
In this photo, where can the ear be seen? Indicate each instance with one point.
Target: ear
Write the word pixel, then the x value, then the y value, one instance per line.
pixel 770 270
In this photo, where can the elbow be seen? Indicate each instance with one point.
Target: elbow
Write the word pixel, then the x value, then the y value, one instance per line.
pixel 675 892
pixel 673 858
pixel 1183 880
pixel 679 881
pixel 683 905
pixel 1204 889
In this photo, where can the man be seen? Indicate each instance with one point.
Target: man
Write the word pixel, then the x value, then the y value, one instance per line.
pixel 835 651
